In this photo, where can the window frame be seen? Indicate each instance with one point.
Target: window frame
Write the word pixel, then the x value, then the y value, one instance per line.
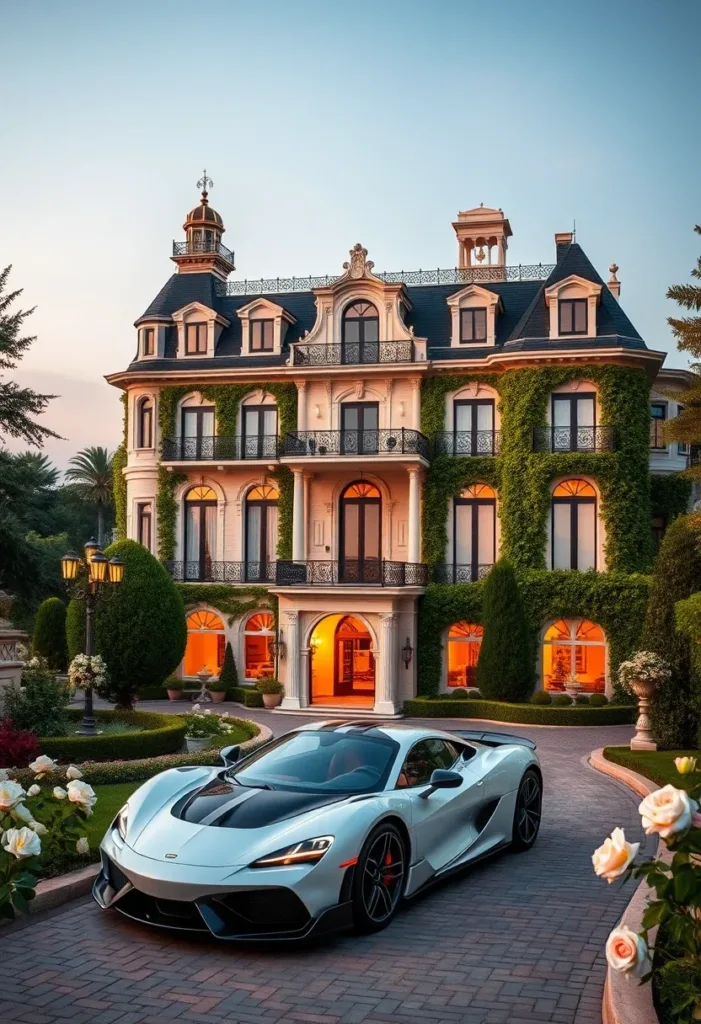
pixel 145 405
pixel 473 404
pixel 468 313
pixel 200 329
pixel 474 504
pixel 264 322
pixel 144 514
pixel 361 432
pixel 148 341
pixel 574 304
pixel 263 504
pixel 573 397
pixel 259 448
pixel 654 431
pixel 574 501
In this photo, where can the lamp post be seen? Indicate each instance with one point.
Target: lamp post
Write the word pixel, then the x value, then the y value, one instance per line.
pixel 85 577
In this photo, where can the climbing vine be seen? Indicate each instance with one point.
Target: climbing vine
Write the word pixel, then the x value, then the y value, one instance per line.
pixel 669 496
pixel 119 484
pixel 230 601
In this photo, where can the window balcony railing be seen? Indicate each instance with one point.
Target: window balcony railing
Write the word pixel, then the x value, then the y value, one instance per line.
pixel 657 440
pixel 467 442
pixel 369 573
pixel 223 448
pixel 201 246
pixel 340 443
pixel 221 572
pixel 451 572
pixel 352 353
pixel 574 439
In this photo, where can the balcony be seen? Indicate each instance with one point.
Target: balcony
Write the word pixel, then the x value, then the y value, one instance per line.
pixel 221 572
pixel 352 573
pixel 574 439
pixel 340 443
pixel 449 572
pixel 467 442
pixel 220 449
pixel 200 247
pixel 353 353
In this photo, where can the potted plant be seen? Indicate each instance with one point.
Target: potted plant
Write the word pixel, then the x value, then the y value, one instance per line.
pixel 641 676
pixel 217 690
pixel 272 691
pixel 174 688
pixel 203 728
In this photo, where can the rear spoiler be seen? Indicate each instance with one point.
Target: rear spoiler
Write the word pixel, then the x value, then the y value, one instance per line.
pixel 493 739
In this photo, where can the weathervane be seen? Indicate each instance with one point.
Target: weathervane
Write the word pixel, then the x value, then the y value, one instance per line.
pixel 205 183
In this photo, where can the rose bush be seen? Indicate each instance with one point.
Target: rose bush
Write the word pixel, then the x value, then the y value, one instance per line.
pixel 88 671
pixel 645 666
pixel 201 724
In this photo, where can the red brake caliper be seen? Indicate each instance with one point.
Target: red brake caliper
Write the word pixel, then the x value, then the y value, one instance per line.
pixel 387 879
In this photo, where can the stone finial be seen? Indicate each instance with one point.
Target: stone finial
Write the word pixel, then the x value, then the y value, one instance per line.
pixel 614 285
pixel 359 266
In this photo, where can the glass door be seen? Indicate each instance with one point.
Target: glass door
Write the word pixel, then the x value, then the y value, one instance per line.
pixel 261 534
pixel 198 433
pixel 361 333
pixel 359 428
pixel 200 533
pixel 361 508
pixel 259 431
pixel 474 533
pixel 574 423
pixel 473 426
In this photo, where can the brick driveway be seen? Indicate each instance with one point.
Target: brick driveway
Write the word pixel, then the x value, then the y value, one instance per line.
pixel 517 939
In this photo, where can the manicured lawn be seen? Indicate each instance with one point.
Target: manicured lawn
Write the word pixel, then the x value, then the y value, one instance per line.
pixel 657 765
pixel 109 800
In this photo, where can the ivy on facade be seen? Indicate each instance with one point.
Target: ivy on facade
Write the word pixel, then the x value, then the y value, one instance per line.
pixel 234 602
pixel 119 483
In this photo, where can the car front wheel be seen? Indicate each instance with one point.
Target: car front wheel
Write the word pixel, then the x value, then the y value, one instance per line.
pixel 528 811
pixel 379 880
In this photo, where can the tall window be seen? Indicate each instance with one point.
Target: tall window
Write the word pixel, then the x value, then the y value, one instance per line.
pixel 464 642
pixel 361 510
pixel 147 341
pixel 261 335
pixel 658 415
pixel 259 431
pixel 574 649
pixel 574 526
pixel 145 424
pixel 359 423
pixel 257 636
pixel 195 339
pixel 474 533
pixel 144 516
pixel 572 316
pixel 473 427
pixel 473 326
pixel 206 643
pixel 198 432
pixel 200 533
pixel 261 532
pixel 360 334
pixel 574 422
pixel 683 447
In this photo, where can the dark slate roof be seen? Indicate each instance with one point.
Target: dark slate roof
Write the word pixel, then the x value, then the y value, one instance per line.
pixel 522 324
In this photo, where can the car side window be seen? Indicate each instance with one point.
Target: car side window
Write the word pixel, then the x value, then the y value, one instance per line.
pixel 422 759
pixel 444 753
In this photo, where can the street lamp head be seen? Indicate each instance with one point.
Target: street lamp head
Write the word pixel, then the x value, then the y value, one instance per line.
pixel 116 570
pixel 98 568
pixel 90 549
pixel 70 564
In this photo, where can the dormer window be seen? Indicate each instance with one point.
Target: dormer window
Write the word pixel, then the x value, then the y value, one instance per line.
pixel 148 341
pixel 263 327
pixel 473 326
pixel 572 316
pixel 262 338
pixel 195 339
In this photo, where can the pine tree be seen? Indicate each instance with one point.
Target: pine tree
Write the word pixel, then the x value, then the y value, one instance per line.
pixel 229 675
pixel 505 666
pixel 18 405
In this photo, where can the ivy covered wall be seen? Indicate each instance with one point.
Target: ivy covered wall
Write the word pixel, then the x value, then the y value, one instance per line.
pixel 119 484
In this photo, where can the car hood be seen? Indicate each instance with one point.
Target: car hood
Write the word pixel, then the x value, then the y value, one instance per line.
pixel 223 804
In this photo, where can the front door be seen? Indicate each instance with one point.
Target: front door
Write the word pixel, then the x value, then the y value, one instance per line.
pixel 361 508
pixel 354 660
pixel 359 421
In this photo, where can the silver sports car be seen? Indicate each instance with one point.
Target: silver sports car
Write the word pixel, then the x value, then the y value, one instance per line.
pixel 327 827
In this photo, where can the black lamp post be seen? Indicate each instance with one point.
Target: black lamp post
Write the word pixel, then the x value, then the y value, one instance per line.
pixel 85 578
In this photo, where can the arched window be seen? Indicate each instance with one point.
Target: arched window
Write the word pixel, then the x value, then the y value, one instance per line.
pixel 200 534
pixel 258 633
pixel 574 649
pixel 474 533
pixel 464 642
pixel 206 643
pixel 360 333
pixel 361 512
pixel 261 533
pixel 573 526
pixel 144 429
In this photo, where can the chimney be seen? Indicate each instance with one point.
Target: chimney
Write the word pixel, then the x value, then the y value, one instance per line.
pixel 563 239
pixel 614 285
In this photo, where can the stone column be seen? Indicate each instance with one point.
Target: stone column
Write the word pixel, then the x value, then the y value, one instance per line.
pixel 290 701
pixel 298 517
pixel 386 691
pixel 416 402
pixel 301 405
pixel 307 510
pixel 414 546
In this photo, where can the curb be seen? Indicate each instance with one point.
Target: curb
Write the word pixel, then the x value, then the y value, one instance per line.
pixel 625 1001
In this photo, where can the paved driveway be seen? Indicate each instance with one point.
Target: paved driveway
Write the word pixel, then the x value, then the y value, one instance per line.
pixel 517 939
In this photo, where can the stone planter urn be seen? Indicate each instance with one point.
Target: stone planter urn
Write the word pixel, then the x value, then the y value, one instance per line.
pixel 217 695
pixel 573 688
pixel 272 700
pixel 196 743
pixel 644 690
pixel 174 694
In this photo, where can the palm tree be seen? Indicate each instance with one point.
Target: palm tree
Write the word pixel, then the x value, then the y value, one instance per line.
pixel 91 474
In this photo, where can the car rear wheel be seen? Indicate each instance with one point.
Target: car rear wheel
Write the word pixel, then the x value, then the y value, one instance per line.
pixel 379 879
pixel 528 811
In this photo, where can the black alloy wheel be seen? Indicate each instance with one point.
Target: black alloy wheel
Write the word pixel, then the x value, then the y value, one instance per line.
pixel 528 811
pixel 379 879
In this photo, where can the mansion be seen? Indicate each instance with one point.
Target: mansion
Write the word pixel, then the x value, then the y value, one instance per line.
pixel 342 460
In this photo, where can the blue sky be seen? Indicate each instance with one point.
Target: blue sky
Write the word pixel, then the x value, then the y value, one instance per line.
pixel 323 124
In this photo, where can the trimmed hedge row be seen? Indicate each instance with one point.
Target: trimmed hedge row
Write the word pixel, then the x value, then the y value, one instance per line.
pixel 521 714
pixel 161 734
pixel 249 696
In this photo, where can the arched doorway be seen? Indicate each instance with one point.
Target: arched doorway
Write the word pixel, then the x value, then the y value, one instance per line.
pixel 257 634
pixel 359 548
pixel 200 533
pixel 261 532
pixel 206 643
pixel 342 663
pixel 360 334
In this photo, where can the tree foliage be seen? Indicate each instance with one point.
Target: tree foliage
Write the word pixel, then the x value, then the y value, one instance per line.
pixel 505 670
pixel 90 472
pixel 229 675
pixel 49 638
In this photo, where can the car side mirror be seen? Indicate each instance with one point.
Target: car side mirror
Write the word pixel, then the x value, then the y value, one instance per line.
pixel 442 778
pixel 230 755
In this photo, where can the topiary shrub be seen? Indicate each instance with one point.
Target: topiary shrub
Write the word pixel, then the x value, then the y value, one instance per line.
pixel 459 694
pixel 506 659
pixel 541 697
pixel 49 639
pixel 228 676
pixel 582 698
pixel 676 576
pixel 598 700
pixel 562 700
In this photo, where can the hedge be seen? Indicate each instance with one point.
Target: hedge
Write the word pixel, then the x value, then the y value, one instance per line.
pixel 520 714
pixel 249 696
pixel 49 638
pixel 161 734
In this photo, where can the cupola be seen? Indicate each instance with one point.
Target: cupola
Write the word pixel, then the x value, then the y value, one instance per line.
pixel 482 235
pixel 202 251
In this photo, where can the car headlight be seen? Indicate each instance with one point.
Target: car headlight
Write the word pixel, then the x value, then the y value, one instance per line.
pixel 122 819
pixel 308 852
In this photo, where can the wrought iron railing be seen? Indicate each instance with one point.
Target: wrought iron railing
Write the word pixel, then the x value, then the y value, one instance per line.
pixel 452 275
pixel 352 353
pixel 200 246
pixel 467 442
pixel 380 573
pixel 329 443
pixel 221 572
pixel 450 572
pixel 574 439
pixel 225 447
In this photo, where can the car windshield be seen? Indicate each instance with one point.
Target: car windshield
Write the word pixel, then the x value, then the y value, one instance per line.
pixel 321 762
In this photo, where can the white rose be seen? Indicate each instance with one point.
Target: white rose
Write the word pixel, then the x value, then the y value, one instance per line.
pixel 195 707
pixel 614 856
pixel 23 813
pixel 43 765
pixel 207 711
pixel 11 793
pixel 73 773
pixel 667 811
pixel 36 826
pixel 34 790
pixel 59 793
pixel 82 846
pixel 626 951
pixel 83 795
pixel 22 842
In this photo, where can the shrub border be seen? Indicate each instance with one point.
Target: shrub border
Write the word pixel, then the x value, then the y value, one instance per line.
pixel 163 734
pixel 519 714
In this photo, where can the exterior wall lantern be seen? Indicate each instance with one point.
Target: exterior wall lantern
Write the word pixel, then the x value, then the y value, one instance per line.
pixel 407 653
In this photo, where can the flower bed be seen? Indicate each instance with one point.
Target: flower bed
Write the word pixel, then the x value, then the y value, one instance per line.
pixel 522 714
pixel 160 734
